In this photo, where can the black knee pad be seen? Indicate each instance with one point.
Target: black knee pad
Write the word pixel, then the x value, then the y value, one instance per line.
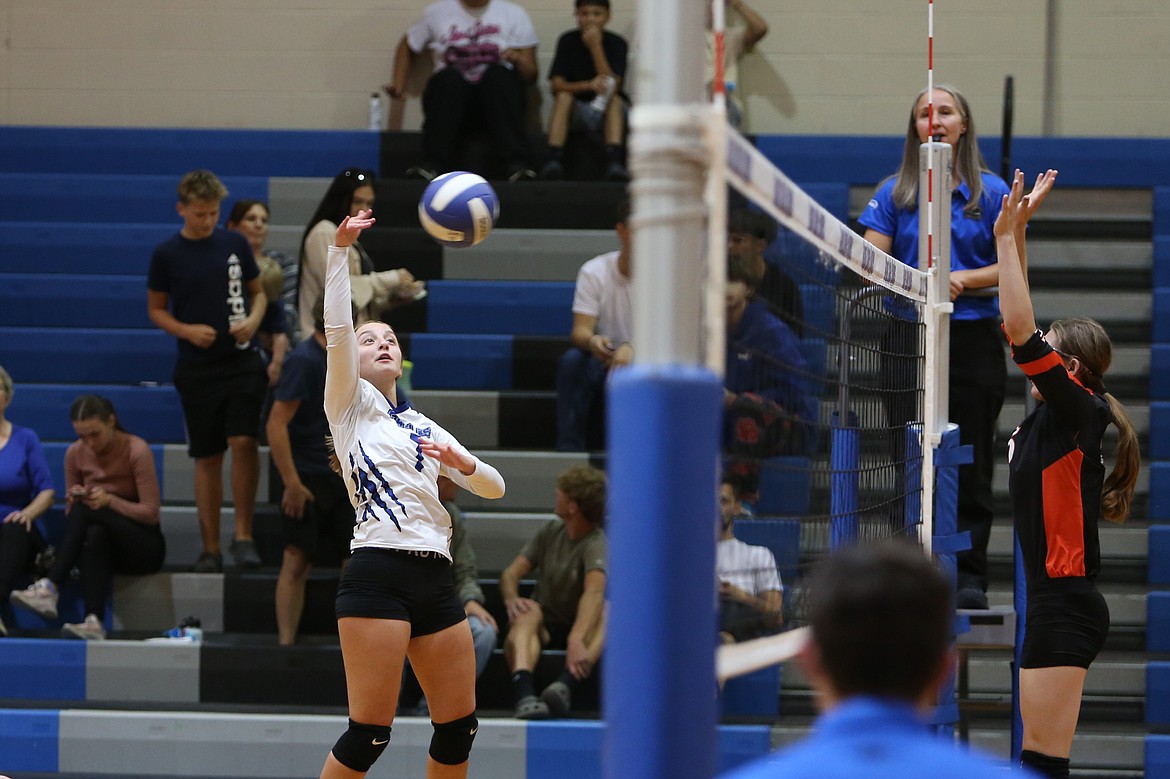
pixel 361 745
pixel 451 743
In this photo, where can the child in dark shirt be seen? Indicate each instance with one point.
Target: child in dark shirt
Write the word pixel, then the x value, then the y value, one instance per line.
pixel 586 79
pixel 203 288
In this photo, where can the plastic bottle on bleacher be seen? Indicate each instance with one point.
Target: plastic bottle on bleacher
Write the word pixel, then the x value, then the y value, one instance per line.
pixel 377 122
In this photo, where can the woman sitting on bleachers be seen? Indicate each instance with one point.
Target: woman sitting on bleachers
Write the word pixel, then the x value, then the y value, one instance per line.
pixel 26 492
pixel 113 516
pixel 373 292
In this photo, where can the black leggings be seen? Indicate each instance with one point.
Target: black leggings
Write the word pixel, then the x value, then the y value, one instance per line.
pixel 17 545
pixel 102 543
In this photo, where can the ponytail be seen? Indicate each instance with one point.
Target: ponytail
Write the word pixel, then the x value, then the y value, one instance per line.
pixel 1117 492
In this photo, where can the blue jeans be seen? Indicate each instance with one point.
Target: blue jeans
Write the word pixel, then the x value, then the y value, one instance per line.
pixel 580 376
pixel 484 637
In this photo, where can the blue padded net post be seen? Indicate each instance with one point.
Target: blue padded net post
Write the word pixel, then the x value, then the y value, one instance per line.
pixel 659 682
pixel 846 465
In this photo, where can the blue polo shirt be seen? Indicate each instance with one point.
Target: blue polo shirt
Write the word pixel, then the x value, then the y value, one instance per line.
pixel 972 238
pixel 874 738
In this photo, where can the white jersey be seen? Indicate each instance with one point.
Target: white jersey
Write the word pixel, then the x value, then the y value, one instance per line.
pixel 750 568
pixel 392 484
pixel 471 39
pixel 603 292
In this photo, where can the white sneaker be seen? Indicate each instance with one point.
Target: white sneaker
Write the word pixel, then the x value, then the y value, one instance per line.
pixel 90 629
pixel 40 596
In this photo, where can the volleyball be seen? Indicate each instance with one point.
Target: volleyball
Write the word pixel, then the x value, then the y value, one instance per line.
pixel 458 209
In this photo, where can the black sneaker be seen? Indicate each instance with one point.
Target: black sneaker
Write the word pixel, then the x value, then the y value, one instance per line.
pixel 616 171
pixel 553 170
pixel 971 598
pixel 208 562
pixel 425 171
pixel 244 553
pixel 520 173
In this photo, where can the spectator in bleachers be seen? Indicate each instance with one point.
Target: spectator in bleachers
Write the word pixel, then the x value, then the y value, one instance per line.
pixel 251 218
pixel 768 409
pixel 484 630
pixel 204 289
pixel 978 370
pixel 586 78
pixel 315 508
pixel 600 337
pixel 751 595
pixel 26 492
pixel 738 40
pixel 567 607
pixel 484 54
pixel 750 233
pixel 880 620
pixel 112 511
pixel 351 190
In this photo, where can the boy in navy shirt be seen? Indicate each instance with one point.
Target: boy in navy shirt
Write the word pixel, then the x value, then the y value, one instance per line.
pixel 203 288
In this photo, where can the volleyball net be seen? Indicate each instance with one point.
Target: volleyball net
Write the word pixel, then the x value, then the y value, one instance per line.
pixel 826 395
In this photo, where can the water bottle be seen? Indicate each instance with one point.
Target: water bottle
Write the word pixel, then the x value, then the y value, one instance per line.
pixel 376 113
pixel 594 114
pixel 601 99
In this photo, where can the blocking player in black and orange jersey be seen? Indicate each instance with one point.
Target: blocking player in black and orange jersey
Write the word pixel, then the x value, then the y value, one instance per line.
pixel 1059 490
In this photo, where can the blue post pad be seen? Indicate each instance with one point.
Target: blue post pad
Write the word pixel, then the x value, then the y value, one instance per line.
pixel 1158 508
pixel 1157 756
pixel 42 669
pixel 1158 692
pixel 28 740
pixel 659 686
pixel 1159 554
pixel 1158 621
pixel 1160 371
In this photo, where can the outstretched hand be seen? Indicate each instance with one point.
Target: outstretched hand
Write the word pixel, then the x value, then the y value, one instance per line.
pixel 351 227
pixel 1017 208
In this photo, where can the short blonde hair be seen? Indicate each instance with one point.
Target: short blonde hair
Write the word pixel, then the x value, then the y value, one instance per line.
pixel 201 185
pixel 585 486
pixel 5 383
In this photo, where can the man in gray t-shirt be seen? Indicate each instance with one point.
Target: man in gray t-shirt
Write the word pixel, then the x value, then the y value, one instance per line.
pixel 568 604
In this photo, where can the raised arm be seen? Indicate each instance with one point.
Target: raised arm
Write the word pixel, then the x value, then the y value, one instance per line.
pixel 1015 302
pixel 341 376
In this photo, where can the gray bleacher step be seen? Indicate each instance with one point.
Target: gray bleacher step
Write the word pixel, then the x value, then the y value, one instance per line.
pixel 1113 673
pixel 1013 413
pixel 293 199
pixel 1065 203
pixel 1000 480
pixel 1128 360
pixel 528 255
pixel 498 537
pixel 1129 541
pixel 1092 257
pixel 1116 307
pixel 1126 601
pixel 1113 745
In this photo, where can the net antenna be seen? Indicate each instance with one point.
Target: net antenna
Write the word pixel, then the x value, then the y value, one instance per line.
pixel 935 174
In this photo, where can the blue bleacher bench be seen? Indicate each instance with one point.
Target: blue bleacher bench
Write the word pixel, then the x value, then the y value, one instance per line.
pixel 71 355
pixel 487 307
pixel 61 300
pixel 152 412
pixel 82 247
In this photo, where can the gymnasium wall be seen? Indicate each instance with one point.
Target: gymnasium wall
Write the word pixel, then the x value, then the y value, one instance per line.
pixel 839 67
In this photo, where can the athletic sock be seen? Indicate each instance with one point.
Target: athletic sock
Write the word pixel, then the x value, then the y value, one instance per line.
pixel 1045 765
pixel 522 685
pixel 568 679
pixel 613 152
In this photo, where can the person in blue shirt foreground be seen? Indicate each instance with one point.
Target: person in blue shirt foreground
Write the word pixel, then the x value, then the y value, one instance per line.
pixel 880 626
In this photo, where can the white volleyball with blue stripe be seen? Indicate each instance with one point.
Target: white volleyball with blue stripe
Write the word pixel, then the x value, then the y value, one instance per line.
pixel 458 209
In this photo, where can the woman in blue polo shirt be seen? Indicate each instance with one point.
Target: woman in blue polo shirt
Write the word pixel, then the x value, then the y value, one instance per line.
pixel 978 368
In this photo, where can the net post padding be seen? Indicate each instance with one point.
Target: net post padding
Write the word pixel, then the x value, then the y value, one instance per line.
pixel 658 686
pixel 934 252
pixel 751 173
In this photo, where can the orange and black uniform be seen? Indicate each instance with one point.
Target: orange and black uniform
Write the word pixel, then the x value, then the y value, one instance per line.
pixel 1056 476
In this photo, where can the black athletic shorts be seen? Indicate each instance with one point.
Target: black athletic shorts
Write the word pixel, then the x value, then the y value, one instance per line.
pixel 416 587
pixel 221 400
pixel 325 529
pixel 1064 627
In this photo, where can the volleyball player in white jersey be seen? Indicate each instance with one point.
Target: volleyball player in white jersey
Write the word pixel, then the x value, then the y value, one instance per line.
pixel 396 596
